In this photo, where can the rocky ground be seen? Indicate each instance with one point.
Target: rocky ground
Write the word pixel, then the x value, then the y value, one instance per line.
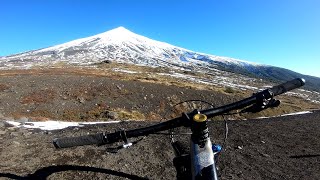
pixel 78 94
pixel 277 148
pixel 79 97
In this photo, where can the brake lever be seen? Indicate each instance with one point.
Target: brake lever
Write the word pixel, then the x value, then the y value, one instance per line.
pixel 260 107
pixel 123 146
pixel 264 101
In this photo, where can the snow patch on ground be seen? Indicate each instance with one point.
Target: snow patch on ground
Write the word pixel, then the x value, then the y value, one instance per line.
pixel 124 71
pixel 217 80
pixel 290 114
pixel 241 83
pixel 297 113
pixel 53 125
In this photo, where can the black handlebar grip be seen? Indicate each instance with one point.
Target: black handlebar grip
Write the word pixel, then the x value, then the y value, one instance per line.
pixel 79 141
pixel 287 86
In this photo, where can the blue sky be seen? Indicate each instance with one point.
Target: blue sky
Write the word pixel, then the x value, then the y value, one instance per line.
pixel 284 33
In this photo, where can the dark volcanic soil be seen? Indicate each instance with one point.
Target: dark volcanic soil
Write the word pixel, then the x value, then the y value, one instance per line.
pixel 77 97
pixel 277 148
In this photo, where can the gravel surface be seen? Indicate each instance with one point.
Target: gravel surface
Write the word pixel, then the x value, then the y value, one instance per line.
pixel 276 148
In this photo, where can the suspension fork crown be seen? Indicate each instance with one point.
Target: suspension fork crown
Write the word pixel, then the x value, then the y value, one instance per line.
pixel 199 128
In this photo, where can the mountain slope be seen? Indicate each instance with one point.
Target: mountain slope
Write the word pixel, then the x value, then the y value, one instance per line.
pixel 122 45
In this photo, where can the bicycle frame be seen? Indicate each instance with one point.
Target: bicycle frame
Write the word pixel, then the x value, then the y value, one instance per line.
pixel 201 159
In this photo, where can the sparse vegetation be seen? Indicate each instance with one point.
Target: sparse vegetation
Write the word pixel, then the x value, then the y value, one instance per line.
pixel 42 96
pixel 229 90
pixel 71 115
pixel 82 90
pixel 3 87
pixel 131 115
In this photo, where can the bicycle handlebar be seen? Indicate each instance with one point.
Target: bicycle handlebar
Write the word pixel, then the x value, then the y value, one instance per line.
pixel 104 138
pixel 79 141
pixel 267 93
pixel 287 86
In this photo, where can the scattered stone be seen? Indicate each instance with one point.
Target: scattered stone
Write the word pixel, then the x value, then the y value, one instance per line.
pixel 15 143
pixel 24 131
pixel 118 87
pixel 15 134
pixel 2 132
pixel 240 173
pixel 23 119
pixel 105 62
pixel 263 142
pixel 29 124
pixel 265 155
pixel 81 99
pixel 46 132
pixel 112 115
pixel 13 128
pixel 2 124
pixel 27 134
pixel 239 147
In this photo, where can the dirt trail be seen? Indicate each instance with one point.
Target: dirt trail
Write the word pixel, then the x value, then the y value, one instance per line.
pixel 277 148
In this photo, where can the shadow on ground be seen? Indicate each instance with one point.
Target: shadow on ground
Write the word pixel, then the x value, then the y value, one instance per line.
pixel 45 172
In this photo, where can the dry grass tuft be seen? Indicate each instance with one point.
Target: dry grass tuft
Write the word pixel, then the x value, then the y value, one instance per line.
pixel 3 87
pixel 131 115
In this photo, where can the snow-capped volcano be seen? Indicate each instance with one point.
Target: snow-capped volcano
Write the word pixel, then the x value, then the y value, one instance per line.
pixel 118 37
pixel 119 45
pixel 122 45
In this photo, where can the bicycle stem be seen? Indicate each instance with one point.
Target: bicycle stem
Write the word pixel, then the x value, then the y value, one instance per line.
pixel 202 156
